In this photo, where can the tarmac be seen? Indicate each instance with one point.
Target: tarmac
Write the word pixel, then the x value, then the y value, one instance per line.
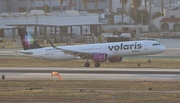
pixel 44 73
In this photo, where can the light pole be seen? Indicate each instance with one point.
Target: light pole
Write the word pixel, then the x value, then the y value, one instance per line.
pixel 141 19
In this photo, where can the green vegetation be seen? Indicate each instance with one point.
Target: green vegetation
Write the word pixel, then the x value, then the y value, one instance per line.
pixel 33 88
pixel 149 88
pixel 126 63
pixel 115 91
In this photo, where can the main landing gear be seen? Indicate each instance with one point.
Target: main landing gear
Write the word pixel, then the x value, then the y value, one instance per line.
pixel 149 61
pixel 87 64
pixel 97 64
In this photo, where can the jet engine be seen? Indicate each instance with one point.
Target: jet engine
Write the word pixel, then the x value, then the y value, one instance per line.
pixel 115 59
pixel 100 57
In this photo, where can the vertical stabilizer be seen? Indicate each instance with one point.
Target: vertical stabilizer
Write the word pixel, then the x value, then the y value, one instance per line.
pixel 27 41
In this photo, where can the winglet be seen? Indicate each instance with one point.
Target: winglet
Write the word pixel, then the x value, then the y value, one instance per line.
pixel 52 44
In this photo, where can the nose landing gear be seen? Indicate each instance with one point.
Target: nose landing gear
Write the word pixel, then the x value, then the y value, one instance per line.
pixel 149 61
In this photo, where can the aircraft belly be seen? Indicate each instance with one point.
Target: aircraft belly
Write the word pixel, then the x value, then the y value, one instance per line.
pixel 66 57
pixel 60 56
pixel 37 56
pixel 149 51
pixel 126 53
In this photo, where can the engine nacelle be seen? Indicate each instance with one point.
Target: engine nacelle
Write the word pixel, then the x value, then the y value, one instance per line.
pixel 115 59
pixel 100 57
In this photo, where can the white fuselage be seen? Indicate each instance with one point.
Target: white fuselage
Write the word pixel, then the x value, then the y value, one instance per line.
pixel 116 49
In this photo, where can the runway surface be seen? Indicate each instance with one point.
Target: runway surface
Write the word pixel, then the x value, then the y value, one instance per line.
pixel 44 73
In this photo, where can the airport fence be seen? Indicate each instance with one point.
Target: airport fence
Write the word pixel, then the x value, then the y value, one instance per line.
pixel 162 35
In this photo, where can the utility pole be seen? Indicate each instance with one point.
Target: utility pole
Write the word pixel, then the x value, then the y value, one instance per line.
pixel 110 6
pixel 150 13
pixel 169 3
pixel 162 6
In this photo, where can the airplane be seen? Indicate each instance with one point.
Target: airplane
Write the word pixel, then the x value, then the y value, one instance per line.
pixel 101 52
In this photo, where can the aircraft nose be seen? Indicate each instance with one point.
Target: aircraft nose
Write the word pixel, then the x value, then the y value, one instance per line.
pixel 163 48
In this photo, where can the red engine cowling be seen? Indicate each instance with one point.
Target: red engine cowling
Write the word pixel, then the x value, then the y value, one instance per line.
pixel 115 59
pixel 100 57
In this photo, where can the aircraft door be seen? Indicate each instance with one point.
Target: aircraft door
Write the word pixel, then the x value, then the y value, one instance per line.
pixel 145 45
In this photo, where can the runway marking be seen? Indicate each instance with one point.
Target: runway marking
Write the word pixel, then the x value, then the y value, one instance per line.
pixel 69 76
pixel 135 91
pixel 37 74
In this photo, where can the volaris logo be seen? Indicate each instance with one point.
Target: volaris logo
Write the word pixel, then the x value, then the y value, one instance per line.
pixel 125 46
pixel 28 40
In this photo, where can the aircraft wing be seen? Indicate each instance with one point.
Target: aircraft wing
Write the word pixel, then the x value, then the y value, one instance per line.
pixel 83 55
pixel 25 52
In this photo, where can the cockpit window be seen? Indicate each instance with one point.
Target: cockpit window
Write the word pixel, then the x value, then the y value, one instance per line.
pixel 155 44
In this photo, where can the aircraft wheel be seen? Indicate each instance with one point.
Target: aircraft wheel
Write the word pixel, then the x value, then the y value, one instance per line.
pixel 97 64
pixel 149 61
pixel 87 64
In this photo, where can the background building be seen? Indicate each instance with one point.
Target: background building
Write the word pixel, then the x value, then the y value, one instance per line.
pixel 49 5
pixel 170 22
